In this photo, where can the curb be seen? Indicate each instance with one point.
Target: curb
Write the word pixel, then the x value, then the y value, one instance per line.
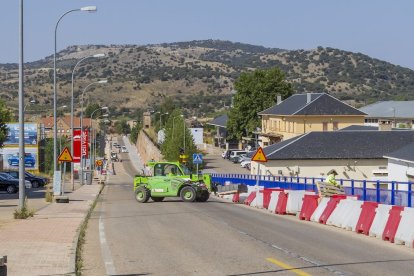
pixel 75 243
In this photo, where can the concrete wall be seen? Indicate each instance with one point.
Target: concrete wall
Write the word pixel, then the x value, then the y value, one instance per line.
pixel 147 149
pixel 400 171
pixel 347 169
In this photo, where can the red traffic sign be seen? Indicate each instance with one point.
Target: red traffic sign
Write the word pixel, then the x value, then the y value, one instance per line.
pixel 259 156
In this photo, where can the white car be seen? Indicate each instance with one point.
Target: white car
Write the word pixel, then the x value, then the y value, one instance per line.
pixel 124 149
pixel 243 164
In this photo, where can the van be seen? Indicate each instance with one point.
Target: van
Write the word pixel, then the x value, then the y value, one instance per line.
pixel 236 153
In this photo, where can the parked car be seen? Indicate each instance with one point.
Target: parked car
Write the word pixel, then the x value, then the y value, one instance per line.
pixel 124 149
pixel 235 154
pixel 11 186
pixel 34 180
pixel 29 160
pixel 27 183
pixel 245 164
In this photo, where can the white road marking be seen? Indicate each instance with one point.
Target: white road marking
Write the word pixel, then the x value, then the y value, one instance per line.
pixel 106 252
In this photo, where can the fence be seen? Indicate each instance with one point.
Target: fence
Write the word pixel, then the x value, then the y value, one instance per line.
pixel 385 192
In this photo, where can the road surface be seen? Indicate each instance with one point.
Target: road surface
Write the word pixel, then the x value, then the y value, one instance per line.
pixel 220 238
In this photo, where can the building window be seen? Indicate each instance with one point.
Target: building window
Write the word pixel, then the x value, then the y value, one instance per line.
pixel 335 125
pixel 325 126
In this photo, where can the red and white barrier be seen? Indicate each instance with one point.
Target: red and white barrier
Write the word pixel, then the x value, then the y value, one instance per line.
pixel 405 232
pixel 310 203
pixel 274 197
pixel 393 222
pixel 320 209
pixel 368 212
pixel 295 201
pixel 353 215
pixel 380 220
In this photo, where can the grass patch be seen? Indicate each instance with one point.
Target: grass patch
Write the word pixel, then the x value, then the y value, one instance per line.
pixel 82 233
pixel 49 194
pixel 24 212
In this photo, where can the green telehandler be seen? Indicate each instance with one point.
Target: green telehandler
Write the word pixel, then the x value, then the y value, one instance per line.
pixel 171 179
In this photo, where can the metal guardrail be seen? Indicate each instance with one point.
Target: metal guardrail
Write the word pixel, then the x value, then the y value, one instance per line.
pixel 385 192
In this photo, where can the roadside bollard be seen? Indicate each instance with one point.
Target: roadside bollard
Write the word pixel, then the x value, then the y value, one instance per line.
pixel 3 266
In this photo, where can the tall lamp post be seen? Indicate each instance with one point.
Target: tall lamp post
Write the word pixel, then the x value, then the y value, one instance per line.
pixel 92 143
pixel 81 123
pixel 71 111
pixel 55 163
pixel 22 187
pixel 166 113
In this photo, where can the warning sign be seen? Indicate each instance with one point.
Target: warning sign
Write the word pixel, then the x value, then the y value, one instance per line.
pixel 259 156
pixel 65 156
pixel 99 162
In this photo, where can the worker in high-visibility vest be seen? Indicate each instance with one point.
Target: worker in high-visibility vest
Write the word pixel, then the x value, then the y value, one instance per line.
pixel 331 178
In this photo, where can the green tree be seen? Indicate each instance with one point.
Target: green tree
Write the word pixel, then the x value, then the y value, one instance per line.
pixel 256 91
pixel 122 127
pixel 91 108
pixel 175 131
pixel 5 117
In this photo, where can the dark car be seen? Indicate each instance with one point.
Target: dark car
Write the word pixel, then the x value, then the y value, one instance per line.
pixel 29 160
pixel 11 186
pixel 36 181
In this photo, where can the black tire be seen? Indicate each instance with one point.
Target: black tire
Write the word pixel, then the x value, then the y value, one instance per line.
pixel 142 194
pixel 157 199
pixel 205 195
pixel 11 189
pixel 35 184
pixel 188 194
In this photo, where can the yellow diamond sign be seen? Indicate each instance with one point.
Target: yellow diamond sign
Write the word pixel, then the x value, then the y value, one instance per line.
pixel 65 156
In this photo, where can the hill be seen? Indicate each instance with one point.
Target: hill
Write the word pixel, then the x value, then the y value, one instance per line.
pixel 199 75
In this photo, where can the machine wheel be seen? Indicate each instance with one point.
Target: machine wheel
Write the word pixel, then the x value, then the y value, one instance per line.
pixel 11 189
pixel 157 199
pixel 35 184
pixel 142 194
pixel 205 195
pixel 188 194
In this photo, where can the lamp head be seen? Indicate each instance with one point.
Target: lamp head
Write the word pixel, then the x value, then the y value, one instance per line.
pixel 98 55
pixel 89 9
pixel 105 115
pixel 103 81
pixel 104 108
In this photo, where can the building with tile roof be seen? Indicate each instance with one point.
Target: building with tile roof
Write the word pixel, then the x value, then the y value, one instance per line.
pixel 63 125
pixel 303 113
pixel 353 154
pixel 397 113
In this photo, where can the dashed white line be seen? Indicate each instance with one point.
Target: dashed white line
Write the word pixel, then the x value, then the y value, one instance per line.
pixel 106 252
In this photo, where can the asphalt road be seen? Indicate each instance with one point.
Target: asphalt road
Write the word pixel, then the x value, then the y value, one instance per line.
pixel 221 238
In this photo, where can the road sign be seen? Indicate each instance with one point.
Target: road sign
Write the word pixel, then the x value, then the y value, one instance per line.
pixel 259 156
pixel 197 158
pixel 65 156
pixel 99 162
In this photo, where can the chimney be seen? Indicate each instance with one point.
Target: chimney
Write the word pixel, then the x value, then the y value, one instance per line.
pixel 278 99
pixel 308 97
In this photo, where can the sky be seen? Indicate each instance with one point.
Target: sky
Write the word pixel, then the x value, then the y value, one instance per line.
pixel 381 29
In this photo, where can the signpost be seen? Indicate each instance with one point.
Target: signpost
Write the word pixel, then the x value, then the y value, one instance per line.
pixel 259 157
pixel 197 159
pixel 58 185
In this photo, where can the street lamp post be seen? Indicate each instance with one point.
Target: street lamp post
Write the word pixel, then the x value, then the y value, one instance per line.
pixel 95 142
pixel 71 112
pixel 81 124
pixel 166 113
pixel 22 187
pixel 182 116
pixel 55 164
pixel 93 134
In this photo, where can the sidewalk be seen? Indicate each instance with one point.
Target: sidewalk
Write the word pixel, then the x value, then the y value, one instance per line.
pixel 133 155
pixel 46 243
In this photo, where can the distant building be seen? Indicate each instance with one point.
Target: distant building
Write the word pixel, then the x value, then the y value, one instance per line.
pixel 401 164
pixel 303 113
pixel 63 124
pixel 397 114
pixel 353 154
pixel 220 123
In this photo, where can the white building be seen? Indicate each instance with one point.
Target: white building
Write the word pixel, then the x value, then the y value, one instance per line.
pixel 401 164
pixel 399 114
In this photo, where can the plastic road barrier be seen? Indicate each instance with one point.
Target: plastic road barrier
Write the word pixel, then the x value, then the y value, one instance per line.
pixel 250 198
pixel 267 192
pixel 294 202
pixel 405 232
pixel 320 209
pixel 392 224
pixel 330 207
pixel 340 213
pixel 236 198
pixel 258 200
pixel 368 211
pixel 281 203
pixel 274 198
pixel 310 203
pixel 352 217
pixel 380 220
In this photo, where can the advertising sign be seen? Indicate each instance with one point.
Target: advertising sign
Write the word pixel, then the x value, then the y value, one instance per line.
pixel 11 158
pixel 77 147
pixel 30 134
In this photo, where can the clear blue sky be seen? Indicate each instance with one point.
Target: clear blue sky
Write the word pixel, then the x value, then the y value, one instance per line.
pixel 379 28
